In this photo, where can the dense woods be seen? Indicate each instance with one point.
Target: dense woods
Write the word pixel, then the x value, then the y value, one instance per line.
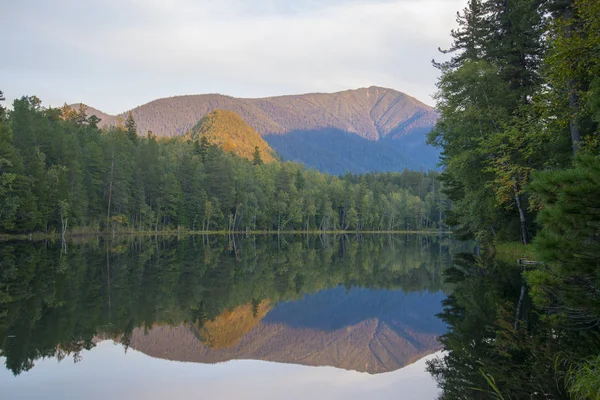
pixel 55 302
pixel 59 172
pixel 519 104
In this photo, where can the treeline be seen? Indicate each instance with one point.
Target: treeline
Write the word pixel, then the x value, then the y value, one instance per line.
pixel 53 303
pixel 519 104
pixel 59 172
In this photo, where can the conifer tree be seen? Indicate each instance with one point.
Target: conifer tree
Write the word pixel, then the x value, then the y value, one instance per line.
pixel 131 127
pixel 256 159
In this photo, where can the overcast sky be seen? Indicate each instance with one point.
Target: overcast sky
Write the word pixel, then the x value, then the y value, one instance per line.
pixel 117 54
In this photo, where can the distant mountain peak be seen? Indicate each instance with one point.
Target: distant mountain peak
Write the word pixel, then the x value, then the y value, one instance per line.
pixel 292 124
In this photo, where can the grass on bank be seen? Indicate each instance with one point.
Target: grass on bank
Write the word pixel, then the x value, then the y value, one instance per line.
pixel 512 251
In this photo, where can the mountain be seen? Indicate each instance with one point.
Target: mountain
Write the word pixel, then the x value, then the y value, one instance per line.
pixel 363 130
pixel 370 331
pixel 226 129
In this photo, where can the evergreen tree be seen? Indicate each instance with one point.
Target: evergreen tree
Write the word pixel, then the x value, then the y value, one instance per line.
pixel 131 127
pixel 256 160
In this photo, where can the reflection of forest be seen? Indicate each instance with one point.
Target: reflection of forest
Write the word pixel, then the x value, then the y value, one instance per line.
pixel 55 302
pixel 496 334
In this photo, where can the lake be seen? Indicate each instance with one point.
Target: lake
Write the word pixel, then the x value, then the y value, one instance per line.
pixel 351 316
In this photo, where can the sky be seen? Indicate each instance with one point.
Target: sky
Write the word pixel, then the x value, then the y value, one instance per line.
pixel 106 372
pixel 117 54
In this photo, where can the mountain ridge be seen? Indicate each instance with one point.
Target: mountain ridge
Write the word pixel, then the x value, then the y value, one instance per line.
pixel 381 117
pixel 396 121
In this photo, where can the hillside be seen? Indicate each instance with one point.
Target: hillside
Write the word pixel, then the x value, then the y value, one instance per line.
pixel 385 127
pixel 227 130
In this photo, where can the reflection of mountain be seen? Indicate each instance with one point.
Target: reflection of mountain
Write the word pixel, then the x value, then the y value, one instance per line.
pixel 364 330
pixel 228 328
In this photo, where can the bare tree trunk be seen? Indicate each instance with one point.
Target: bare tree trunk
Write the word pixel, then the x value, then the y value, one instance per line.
pixel 234 218
pixel 522 215
pixel 108 278
pixel 520 304
pixel 573 124
pixel 110 185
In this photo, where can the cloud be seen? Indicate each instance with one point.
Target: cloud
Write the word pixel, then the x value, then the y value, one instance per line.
pixel 115 55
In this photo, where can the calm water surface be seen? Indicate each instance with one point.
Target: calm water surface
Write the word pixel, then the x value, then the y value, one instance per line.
pixel 222 317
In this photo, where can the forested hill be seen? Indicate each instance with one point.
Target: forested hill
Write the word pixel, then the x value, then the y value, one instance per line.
pixel 227 130
pixel 364 130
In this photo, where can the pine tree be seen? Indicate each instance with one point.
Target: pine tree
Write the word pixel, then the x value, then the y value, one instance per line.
pixel 469 39
pixel 204 147
pixel 131 127
pixel 256 159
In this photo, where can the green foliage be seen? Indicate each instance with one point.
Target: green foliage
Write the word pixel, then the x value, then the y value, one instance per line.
pixel 584 380
pixel 571 66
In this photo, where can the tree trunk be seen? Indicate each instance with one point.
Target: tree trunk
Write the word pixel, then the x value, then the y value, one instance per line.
pixel 520 304
pixel 522 215
pixel 112 167
pixel 573 124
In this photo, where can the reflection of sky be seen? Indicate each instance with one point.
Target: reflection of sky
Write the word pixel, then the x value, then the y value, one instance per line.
pixel 106 372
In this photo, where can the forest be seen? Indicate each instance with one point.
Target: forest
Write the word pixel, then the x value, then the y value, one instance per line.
pixel 519 105
pixel 62 174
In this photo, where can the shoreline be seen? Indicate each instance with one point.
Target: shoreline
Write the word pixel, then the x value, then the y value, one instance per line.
pixel 40 236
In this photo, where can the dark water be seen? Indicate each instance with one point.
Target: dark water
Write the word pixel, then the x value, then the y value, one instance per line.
pixel 365 304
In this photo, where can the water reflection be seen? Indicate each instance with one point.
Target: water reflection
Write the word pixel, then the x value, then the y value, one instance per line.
pixel 363 303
